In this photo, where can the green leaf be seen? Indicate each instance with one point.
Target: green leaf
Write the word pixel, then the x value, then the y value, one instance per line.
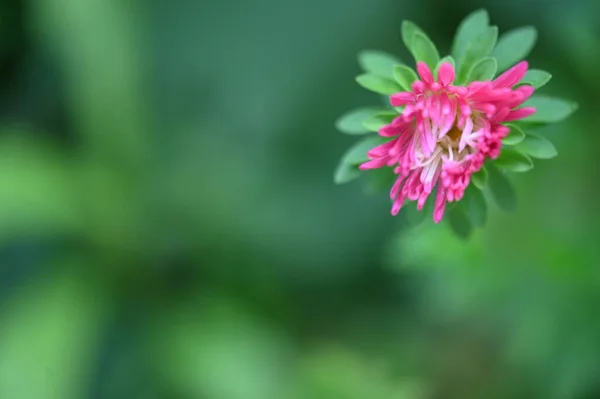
pixel 480 47
pixel 405 76
pixel 475 206
pixel 501 189
pixel 424 50
pixel 415 217
pixel 537 147
pixel 483 70
pixel 471 27
pixel 347 169
pixel 352 122
pixel 514 46
pixel 419 44
pixel 536 78
pixel 514 161
pixel 378 84
pixel 515 136
pixel 378 63
pixel 480 178
pixel 377 121
pixel 459 222
pixel 549 109
pixel 447 58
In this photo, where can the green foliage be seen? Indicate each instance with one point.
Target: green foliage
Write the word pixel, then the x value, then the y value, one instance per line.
pixel 405 76
pixel 512 160
pixel 380 119
pixel 378 63
pixel 353 122
pixel 474 25
pixel 459 221
pixel 549 109
pixel 483 70
pixel 536 78
pixel 480 178
pixel 419 44
pixel 479 47
pixel 347 169
pixel 514 46
pixel 501 189
pixel 515 136
pixel 377 84
pixel 537 147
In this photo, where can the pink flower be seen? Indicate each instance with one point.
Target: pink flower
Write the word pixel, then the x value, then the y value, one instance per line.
pixel 445 133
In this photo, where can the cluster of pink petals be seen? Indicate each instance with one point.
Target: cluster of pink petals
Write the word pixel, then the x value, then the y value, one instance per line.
pixel 445 133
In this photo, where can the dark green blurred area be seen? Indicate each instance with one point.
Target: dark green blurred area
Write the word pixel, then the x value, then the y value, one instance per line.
pixel 169 227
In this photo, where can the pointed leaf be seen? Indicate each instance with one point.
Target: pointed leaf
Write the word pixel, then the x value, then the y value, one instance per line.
pixel 514 161
pixel 475 206
pixel 537 147
pixel 480 47
pixel 377 84
pixel 501 189
pixel 471 27
pixel 405 76
pixel 424 50
pixel 352 121
pixel 536 78
pixel 459 222
pixel 515 135
pixel 378 63
pixel 483 70
pixel 419 44
pixel 347 169
pixel 480 178
pixel 379 120
pixel 514 46
pixel 549 109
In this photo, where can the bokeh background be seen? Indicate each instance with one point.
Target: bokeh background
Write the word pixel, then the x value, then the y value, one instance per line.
pixel 169 227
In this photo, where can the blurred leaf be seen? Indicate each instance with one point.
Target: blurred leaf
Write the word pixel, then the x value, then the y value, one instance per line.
pixel 536 78
pixel 379 180
pixel 480 178
pixel 378 63
pixel 472 26
pixel 512 160
pixel 515 135
pixel 220 351
pixel 347 169
pixel 405 76
pixel 378 84
pixel 377 121
pixel 419 44
pixel 415 217
pixel 537 147
pixel 38 195
pixel 501 189
pixel 50 335
pixel 106 91
pixel 483 70
pixel 459 222
pixel 475 206
pixel 514 46
pixel 549 109
pixel 352 122
pixel 478 48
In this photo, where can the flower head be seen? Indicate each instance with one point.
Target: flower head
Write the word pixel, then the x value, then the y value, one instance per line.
pixel 445 133
pixel 446 128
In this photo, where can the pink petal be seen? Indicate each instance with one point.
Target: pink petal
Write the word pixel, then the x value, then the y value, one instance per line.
pixel 519 114
pixel 424 72
pixel 446 74
pixel 512 76
pixel 402 98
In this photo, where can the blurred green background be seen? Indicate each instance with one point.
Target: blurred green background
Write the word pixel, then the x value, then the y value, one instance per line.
pixel 169 227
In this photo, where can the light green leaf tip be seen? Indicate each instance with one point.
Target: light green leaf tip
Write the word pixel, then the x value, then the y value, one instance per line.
pixel 536 78
pixel 378 85
pixel 514 46
pixel 483 70
pixel 513 160
pixel 472 26
pixel 537 147
pixel 352 122
pixel 378 63
pixel 515 136
pixel 549 109
pixel 405 76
